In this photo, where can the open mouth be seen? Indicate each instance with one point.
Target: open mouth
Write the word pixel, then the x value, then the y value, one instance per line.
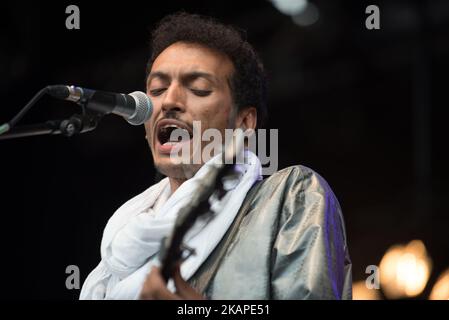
pixel 170 132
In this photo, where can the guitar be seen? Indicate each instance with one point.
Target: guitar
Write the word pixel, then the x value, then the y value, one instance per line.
pixel 173 251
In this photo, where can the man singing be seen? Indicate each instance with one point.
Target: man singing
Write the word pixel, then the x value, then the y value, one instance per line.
pixel 281 237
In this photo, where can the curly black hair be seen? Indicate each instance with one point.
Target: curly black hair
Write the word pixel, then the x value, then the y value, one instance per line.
pixel 248 83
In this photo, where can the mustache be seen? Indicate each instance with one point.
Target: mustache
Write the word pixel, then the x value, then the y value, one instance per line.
pixel 171 115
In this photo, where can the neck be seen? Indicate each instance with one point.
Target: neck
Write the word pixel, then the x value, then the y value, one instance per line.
pixel 175 183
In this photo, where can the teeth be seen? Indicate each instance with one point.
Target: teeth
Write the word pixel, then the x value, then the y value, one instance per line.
pixel 165 134
pixel 170 126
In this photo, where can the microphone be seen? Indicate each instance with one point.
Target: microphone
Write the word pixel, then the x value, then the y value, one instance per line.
pixel 135 107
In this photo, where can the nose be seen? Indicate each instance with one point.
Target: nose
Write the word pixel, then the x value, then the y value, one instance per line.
pixel 174 99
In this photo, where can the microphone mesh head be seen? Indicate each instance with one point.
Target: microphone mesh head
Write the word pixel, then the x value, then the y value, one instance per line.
pixel 144 108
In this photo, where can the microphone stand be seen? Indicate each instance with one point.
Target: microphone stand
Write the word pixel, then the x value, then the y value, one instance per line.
pixel 78 123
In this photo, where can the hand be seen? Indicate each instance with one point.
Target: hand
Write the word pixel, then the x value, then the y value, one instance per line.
pixel 155 287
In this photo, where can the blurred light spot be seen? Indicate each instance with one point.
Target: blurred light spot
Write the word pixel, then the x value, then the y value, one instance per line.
pixel 361 292
pixel 440 290
pixel 405 270
pixel 308 16
pixel 290 7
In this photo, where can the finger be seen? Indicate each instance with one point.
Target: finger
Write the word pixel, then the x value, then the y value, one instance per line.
pixel 183 289
pixel 155 287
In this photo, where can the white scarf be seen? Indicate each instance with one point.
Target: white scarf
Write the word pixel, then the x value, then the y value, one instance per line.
pixel 132 236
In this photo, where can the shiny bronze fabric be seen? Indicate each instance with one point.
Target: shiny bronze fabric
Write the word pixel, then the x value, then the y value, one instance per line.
pixel 288 242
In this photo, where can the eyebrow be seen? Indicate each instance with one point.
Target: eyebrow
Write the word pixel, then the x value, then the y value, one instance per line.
pixel 158 74
pixel 186 77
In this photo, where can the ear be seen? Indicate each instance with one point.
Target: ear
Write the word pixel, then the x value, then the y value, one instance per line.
pixel 246 119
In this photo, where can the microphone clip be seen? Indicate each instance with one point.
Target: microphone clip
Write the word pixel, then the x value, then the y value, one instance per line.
pixel 79 124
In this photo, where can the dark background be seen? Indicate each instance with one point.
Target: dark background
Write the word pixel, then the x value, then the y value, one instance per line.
pixel 364 108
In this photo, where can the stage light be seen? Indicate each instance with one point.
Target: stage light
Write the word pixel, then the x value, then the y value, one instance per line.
pixel 290 7
pixel 440 290
pixel 307 17
pixel 405 270
pixel 361 292
pixel 302 12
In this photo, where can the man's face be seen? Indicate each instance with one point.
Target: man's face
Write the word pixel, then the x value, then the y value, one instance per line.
pixel 187 82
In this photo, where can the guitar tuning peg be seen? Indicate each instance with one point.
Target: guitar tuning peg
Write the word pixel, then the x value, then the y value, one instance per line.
pixel 187 252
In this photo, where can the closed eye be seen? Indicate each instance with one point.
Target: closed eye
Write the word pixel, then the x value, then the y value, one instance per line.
pixel 157 92
pixel 201 93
